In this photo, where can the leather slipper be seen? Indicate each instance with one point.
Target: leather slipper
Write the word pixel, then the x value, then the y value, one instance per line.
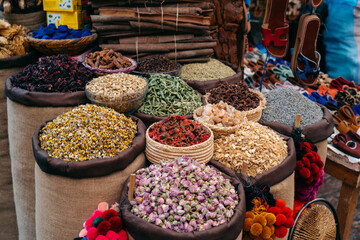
pixel 348 143
pixel 275 29
pixel 315 3
pixel 305 61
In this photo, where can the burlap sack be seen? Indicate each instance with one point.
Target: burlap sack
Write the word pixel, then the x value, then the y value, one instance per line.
pixel 24 116
pixel 142 230
pixel 205 86
pixel 317 132
pixel 67 192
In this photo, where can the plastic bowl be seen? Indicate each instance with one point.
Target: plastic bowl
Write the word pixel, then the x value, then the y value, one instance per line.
pixel 174 73
pixel 126 103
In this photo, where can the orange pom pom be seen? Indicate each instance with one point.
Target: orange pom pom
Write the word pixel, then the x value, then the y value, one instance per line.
pixel 280 219
pixel 260 219
pixel 256 229
pixel 287 212
pixel 247 238
pixel 249 215
pixel 280 203
pixel 270 218
pixel 289 222
pixel 272 229
pixel 280 232
pixel 274 210
pixel 247 224
pixel 273 237
pixel 266 233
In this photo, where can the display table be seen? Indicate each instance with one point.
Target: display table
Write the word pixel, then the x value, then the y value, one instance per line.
pixel 349 173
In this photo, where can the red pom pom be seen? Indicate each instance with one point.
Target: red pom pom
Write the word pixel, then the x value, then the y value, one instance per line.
pixel 319 162
pixel 116 224
pixel 309 180
pixel 274 210
pixel 280 203
pixel 307 146
pixel 280 232
pixel 299 165
pixel 92 233
pixel 289 222
pixel 311 156
pixel 109 214
pixel 103 227
pixel 287 212
pixel 314 169
pixel 123 235
pixel 317 176
pixel 101 237
pixel 306 161
pixel 280 219
pixel 305 173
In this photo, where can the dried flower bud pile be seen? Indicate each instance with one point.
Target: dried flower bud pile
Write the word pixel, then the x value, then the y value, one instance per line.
pixel 53 74
pixel 12 40
pixel 168 95
pixel 87 132
pixel 257 146
pixel 237 95
pixel 211 70
pixel 107 59
pixel 156 64
pixel 183 196
pixel 220 114
pixel 178 131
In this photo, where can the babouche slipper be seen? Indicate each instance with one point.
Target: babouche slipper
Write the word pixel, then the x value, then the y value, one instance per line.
pixel 348 143
pixel 275 29
pixel 305 61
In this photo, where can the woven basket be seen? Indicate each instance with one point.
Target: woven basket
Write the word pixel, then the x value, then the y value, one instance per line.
pixel 67 46
pixel 217 130
pixel 201 152
pixel 253 114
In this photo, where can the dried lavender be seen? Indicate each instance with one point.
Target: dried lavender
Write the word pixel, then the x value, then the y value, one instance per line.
pixel 183 195
pixel 53 74
pixel 283 104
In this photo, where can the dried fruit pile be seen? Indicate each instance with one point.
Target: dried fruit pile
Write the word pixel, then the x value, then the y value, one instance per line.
pixel 87 132
pixel 107 59
pixel 53 74
pixel 237 95
pixel 257 146
pixel 12 40
pixel 156 64
pixel 178 131
pixel 183 196
pixel 220 114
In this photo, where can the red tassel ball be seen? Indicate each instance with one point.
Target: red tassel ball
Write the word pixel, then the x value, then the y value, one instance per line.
pixel 274 210
pixel 116 224
pixel 280 203
pixel 109 214
pixel 280 219
pixel 280 232
pixel 306 162
pixel 289 222
pixel 123 235
pixel 299 165
pixel 287 212
pixel 103 227
pixel 305 173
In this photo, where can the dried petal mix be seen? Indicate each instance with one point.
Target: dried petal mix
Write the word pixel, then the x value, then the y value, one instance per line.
pixel 178 131
pixel 88 132
pixel 257 146
pixel 183 196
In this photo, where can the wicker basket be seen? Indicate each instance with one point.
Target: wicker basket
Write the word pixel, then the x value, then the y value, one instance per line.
pixel 201 152
pixel 67 46
pixel 217 130
pixel 253 114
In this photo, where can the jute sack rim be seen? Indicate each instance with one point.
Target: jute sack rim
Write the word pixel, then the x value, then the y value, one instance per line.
pixel 43 99
pixel 18 60
pixel 91 168
pixel 153 119
pixel 204 86
pixel 218 129
pixel 277 173
pixel 143 230
pixel 316 132
pixel 262 104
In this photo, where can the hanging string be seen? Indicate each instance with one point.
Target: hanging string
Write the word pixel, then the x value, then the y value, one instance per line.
pixel 263 75
pixel 177 16
pixel 137 48
pixel 162 16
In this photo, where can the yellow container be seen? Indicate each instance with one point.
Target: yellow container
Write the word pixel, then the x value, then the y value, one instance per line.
pixel 62 5
pixel 71 19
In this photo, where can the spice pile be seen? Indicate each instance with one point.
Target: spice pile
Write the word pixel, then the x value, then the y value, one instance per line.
pixel 107 59
pixel 257 146
pixel 237 95
pixel 12 40
pixel 183 196
pixel 62 32
pixel 283 104
pixel 88 132
pixel 214 69
pixel 156 64
pixel 53 74
pixel 178 131
pixel 168 95
pixel 220 114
